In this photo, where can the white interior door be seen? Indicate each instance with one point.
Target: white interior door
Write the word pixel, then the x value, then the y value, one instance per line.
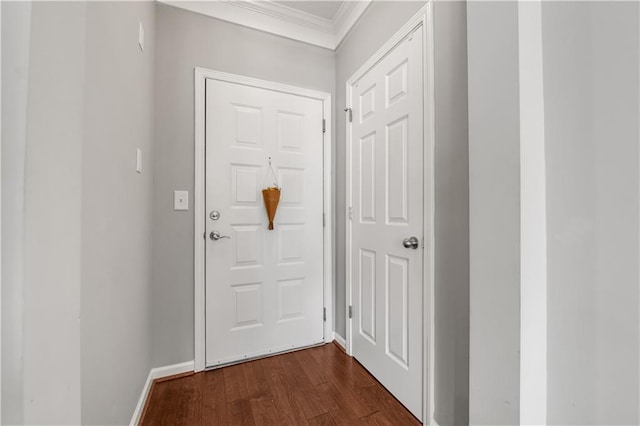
pixel 263 289
pixel 386 164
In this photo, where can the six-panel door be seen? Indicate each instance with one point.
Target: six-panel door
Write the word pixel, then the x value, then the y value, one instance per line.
pixel 264 289
pixel 387 208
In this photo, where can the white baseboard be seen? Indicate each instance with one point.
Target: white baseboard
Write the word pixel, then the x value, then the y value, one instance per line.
pixel 340 341
pixel 158 373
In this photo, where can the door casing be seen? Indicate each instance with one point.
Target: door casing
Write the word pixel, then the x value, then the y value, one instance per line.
pixel 423 18
pixel 200 76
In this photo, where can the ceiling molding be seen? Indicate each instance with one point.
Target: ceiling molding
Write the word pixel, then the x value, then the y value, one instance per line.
pixel 346 17
pixel 275 18
pixel 286 13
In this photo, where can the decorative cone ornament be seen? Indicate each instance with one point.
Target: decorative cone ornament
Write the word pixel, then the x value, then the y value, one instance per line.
pixel 271 197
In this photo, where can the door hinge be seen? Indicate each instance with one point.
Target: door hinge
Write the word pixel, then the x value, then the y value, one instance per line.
pixel 349 111
pixel 350 311
pixel 350 213
pixel 324 314
pixel 324 223
pixel 324 125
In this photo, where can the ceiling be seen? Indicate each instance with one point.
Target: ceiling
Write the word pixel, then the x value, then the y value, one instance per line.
pixel 321 23
pixel 323 9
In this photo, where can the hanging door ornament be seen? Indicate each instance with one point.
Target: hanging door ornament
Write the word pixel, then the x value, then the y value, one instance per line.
pixel 271 195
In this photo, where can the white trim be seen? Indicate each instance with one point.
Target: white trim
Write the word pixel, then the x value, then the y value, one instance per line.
pixel 278 19
pixel 200 76
pixel 1 381
pixel 270 9
pixel 423 18
pixel 429 206
pixel 347 221
pixel 137 413
pixel 340 341
pixel 346 17
pixel 533 223
pixel 157 373
pixel 203 73
pixel 199 214
pixel 328 221
pixel 412 24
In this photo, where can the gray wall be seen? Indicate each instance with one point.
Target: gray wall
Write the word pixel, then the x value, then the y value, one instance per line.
pixel 16 33
pixel 116 210
pixel 186 40
pixel 451 214
pixel 590 53
pixel 380 21
pixel 52 232
pixel 86 227
pixel 494 205
pixel 591 118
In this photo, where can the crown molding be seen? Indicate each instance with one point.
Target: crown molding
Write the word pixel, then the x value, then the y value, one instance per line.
pixel 346 17
pixel 275 18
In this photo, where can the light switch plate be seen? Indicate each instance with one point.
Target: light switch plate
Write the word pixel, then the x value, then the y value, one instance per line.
pixel 141 36
pixel 181 200
pixel 138 160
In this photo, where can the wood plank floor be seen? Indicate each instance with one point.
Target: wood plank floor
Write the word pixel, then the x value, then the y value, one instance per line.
pixel 316 386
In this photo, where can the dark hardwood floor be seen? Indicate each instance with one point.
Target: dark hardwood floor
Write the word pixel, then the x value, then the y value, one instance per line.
pixel 316 386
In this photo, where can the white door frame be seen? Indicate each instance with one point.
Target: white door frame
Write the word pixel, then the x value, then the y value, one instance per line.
pixel 423 18
pixel 200 76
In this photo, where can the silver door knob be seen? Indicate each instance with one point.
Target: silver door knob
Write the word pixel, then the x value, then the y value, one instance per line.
pixel 411 242
pixel 215 236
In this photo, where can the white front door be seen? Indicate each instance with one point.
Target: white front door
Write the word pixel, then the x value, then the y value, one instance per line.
pixel 264 288
pixel 386 202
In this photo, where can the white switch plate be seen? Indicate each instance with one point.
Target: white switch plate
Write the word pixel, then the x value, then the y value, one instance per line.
pixel 138 160
pixel 181 200
pixel 141 36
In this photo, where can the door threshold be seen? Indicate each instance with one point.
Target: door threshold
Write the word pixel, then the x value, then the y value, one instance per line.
pixel 262 356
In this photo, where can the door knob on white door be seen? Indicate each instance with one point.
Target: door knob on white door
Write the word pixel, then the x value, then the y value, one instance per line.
pixel 411 242
pixel 215 236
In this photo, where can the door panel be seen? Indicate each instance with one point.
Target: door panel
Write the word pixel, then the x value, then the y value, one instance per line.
pixel 368 294
pixel 264 289
pixel 387 200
